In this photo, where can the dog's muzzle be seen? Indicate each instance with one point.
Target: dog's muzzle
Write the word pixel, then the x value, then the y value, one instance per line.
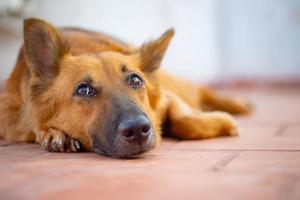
pixel 133 136
pixel 128 131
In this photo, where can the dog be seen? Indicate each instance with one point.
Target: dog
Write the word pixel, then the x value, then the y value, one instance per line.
pixel 77 90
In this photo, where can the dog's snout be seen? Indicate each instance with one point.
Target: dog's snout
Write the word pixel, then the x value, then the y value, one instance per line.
pixel 135 130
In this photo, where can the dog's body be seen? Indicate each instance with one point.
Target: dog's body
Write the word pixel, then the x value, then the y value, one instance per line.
pixel 74 89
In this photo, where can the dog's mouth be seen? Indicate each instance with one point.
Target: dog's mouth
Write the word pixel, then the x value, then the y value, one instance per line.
pixel 123 153
pixel 122 149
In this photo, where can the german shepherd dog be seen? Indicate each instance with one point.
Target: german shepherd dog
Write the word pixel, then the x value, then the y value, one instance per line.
pixel 76 90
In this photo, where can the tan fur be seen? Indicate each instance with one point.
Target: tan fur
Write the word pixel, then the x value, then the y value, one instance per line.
pixel 38 104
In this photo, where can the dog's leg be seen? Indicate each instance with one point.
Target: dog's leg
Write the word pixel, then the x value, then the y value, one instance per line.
pixel 213 101
pixel 188 123
pixel 55 140
pixel 13 127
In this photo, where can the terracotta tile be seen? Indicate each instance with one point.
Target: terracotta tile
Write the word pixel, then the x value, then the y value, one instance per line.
pixel 179 175
pixel 292 132
pixel 296 193
pixel 100 175
pixel 266 162
pixel 4 143
pixel 16 152
pixel 180 186
pixel 137 185
pixel 252 137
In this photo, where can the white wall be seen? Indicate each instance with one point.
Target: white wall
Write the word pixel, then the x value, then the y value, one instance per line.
pixel 259 38
pixel 215 39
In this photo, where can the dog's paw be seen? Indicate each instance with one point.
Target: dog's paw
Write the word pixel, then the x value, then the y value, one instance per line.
pixel 226 123
pixel 54 140
pixel 241 107
pixel 229 125
pixel 233 131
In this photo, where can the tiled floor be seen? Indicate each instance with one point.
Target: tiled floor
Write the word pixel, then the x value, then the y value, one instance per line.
pixel 262 163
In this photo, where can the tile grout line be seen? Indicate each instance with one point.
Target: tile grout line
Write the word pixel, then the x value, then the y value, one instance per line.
pixel 226 160
pixel 281 130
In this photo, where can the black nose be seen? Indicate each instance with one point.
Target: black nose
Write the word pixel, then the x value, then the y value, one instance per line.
pixel 136 130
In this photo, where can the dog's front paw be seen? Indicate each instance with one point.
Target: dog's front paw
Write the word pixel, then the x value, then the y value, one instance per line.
pixel 229 126
pixel 55 140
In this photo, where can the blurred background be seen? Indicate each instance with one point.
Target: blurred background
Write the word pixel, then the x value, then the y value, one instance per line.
pixel 215 40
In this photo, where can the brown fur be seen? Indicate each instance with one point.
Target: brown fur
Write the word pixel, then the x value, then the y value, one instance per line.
pixel 38 105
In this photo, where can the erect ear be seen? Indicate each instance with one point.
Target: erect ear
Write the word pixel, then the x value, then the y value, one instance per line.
pixel 43 47
pixel 152 53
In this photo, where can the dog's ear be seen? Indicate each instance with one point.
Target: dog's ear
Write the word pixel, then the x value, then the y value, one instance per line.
pixel 152 53
pixel 43 47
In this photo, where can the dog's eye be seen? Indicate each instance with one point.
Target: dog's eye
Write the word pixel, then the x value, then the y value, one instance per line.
pixel 135 81
pixel 85 90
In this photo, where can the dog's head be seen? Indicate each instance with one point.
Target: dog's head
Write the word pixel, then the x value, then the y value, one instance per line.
pixel 103 99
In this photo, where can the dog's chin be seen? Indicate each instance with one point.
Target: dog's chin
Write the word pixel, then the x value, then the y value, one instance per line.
pixel 125 152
